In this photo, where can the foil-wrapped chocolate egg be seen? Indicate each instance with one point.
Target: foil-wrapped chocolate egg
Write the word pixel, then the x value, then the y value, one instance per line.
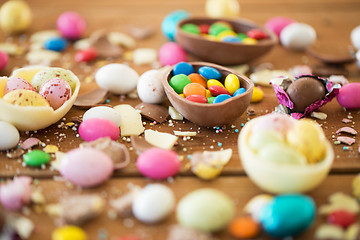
pixel 304 91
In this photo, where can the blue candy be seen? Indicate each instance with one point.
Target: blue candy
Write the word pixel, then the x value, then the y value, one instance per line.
pixel 239 92
pixel 287 215
pixel 220 98
pixel 183 68
pixel 231 39
pixel 209 73
pixel 168 26
pixel 55 44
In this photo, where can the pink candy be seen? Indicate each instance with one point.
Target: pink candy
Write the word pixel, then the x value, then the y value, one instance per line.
pixel 171 53
pixel 349 96
pixel 277 24
pixel 56 91
pixel 86 167
pixel 71 25
pixel 16 194
pixel 94 128
pixel 86 55
pixel 4 59
pixel 15 83
pixel 158 163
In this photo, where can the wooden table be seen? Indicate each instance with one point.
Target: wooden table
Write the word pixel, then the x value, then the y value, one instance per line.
pixel 333 21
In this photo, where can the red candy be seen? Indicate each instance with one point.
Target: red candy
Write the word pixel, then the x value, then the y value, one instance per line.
pixel 4 58
pixel 217 90
pixel 204 28
pixel 257 34
pixel 86 55
pixel 341 218
pixel 197 98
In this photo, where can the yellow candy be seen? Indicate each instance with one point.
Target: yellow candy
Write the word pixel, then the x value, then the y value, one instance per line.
pixel 249 41
pixel 208 94
pixel 257 95
pixel 222 8
pixel 23 97
pixel 210 37
pixel 182 95
pixel 212 82
pixel 232 83
pixel 307 137
pixel 207 172
pixel 69 233
pixel 27 73
pixel 15 16
pixel 226 33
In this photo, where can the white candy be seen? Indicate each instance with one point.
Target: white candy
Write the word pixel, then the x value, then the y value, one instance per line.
pixel 355 37
pixel 297 36
pixel 154 203
pixel 149 87
pixel 117 78
pixel 103 112
pixel 9 136
pixel 143 56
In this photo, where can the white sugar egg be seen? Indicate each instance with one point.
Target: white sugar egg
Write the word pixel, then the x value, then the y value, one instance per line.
pixel 150 88
pixel 297 36
pixel 355 37
pixel 9 136
pixel 103 112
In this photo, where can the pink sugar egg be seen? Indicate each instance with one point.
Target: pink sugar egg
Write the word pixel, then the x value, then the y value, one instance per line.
pixel 56 91
pixel 171 53
pixel 94 128
pixel 157 163
pixel 15 83
pixel 349 96
pixel 86 167
pixel 16 194
pixel 277 24
pixel 4 59
pixel 273 122
pixel 71 25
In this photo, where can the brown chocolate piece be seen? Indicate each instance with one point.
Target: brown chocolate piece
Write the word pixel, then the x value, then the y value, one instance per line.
pixel 140 144
pixel 141 33
pixel 90 99
pixel 16 153
pixel 104 47
pixel 178 232
pixel 153 112
pixel 345 57
pixel 304 91
pixel 328 70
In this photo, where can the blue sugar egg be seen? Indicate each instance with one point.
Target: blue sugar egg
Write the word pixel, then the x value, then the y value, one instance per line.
pixel 55 44
pixel 170 22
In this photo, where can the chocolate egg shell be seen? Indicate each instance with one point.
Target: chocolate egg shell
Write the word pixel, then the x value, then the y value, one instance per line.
pixel 305 91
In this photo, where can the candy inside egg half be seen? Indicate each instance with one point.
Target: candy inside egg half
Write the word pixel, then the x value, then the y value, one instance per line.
pixel 30 118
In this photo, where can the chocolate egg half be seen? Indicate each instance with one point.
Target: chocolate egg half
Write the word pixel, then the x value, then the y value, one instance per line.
pixel 304 91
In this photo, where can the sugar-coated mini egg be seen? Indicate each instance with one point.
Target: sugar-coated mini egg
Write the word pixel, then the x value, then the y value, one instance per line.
pixel 16 194
pixel 168 25
pixel 15 16
pixel 56 91
pixel 153 203
pixel 297 36
pixel 273 122
pixel 222 8
pixel 95 128
pixel 171 53
pixel 71 25
pixel 150 88
pixel 103 112
pixel 281 154
pixel 4 59
pixel 9 136
pixel 278 23
pixel 68 232
pixel 117 78
pixel 355 37
pixel 348 96
pixel 15 83
pixel 23 97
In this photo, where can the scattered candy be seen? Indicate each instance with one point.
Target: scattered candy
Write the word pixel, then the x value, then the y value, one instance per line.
pixel 168 26
pixel 297 36
pixel 131 123
pixel 329 231
pixel 16 194
pixel 86 55
pixel 348 96
pixel 160 139
pixel 103 112
pixel 68 232
pixel 143 56
pixel 257 96
pixel 57 44
pixel 244 227
pixel 94 128
pixel 347 130
pixel 4 59
pixel 9 136
pixel 347 140
pixel 150 88
pixel 121 39
pixel 56 91
pixel 340 201
pixel 171 53
pixel 342 218
pixel 71 25
pixel 36 158
pixel 256 204
pixel 15 16
pixel 277 24
pixel 355 37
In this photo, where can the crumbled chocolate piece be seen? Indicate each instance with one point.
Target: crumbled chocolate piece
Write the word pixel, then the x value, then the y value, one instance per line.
pixel 328 70
pixel 141 33
pixel 153 112
pixel 140 144
pixel 90 99
pixel 250 112
pixel 104 47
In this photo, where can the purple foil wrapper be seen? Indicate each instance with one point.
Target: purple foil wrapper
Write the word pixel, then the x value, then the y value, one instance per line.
pixel 331 91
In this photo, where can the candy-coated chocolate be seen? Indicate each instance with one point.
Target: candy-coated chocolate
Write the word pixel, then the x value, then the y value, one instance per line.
pixel 36 158
pixel 232 83
pixel 239 92
pixel 52 72
pixel 191 28
pixel 168 25
pixel 57 44
pixel 213 82
pixel 231 39
pixel 277 24
pixel 178 82
pixel 217 90
pixel 226 33
pixel 194 89
pixel 16 194
pixel 218 27
pixel 258 95
pixel 4 59
pixel 171 53
pixel 94 128
pixel 15 16
pixel 197 78
pixel 86 167
pixel 349 96
pixel 342 218
pixel 183 68
pixel 249 41
pixel 108 113
pixel 68 232
pixel 257 34
pixel 149 161
pixel 15 83
pixel 220 98
pixel 9 136
pixel 210 99
pixel 86 55
pixel 71 25
pixel 204 28
pixel 56 91
pixel 209 73
pixel 244 227
pixel 150 88
pixel 197 98
pixel 23 97
pixel 297 36
pixel 208 93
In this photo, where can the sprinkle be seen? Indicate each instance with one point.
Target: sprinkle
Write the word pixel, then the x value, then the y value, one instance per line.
pixel 236 130
pixel 242 125
pixel 337 142
pixel 219 144
pixel 345 148
pixel 107 100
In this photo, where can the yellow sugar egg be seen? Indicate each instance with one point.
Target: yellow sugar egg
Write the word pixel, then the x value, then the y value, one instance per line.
pixel 23 97
pixel 15 16
pixel 222 8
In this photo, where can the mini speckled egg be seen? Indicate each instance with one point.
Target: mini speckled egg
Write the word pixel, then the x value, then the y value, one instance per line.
pixel 205 209
pixel 168 26
pixel 117 78
pixel 15 83
pixel 355 37
pixel 49 73
pixel 150 88
pixel 15 16
pixel 153 203
pixel 56 91
pixel 297 36
pixel 287 215
pixel 9 136
pixel 27 73
pixel 273 122
pixel 103 112
pixel 23 97
pixel 222 8
pixel 71 25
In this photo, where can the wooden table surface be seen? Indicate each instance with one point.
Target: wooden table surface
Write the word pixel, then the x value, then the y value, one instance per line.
pixel 333 22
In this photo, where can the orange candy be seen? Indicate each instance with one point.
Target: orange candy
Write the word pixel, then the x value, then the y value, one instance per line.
pixel 197 78
pixel 194 89
pixel 244 227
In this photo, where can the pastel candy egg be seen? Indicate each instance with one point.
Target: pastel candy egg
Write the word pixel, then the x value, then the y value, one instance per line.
pixel 9 136
pixel 23 97
pixel 197 98
pixel 197 78
pixel 232 83
pixel 4 59
pixel 56 91
pixel 257 96
pixel 349 96
pixel 16 194
pixel 15 83
pixel 86 167
pixel 222 8
pixel 178 82
pixel 49 73
pixel 274 121
pixel 158 163
pixel 68 232
pixel 281 154
pixel 71 25
pixel 221 98
pixel 15 16
pixel 150 88
pixel 153 203
pixel 103 112
pixel 117 78
pixel 36 158
pixel 297 36
pixel 194 89
pixel 94 128
pixel 260 139
pixel 168 25
pixel 277 24
pixel 171 53
pixel 57 44
pixel 183 68
pixel 287 215
pixel 355 37
pixel 27 73
pixel 209 73
pixel 256 204
pixel 205 209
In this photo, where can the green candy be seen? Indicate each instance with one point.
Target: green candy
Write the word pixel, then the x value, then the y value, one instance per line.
pixel 210 99
pixel 191 28
pixel 241 36
pixel 216 28
pixel 36 158
pixel 178 82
